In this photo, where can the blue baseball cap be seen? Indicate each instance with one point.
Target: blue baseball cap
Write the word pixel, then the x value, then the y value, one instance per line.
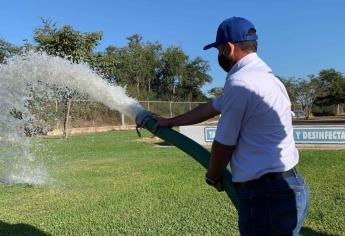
pixel 234 30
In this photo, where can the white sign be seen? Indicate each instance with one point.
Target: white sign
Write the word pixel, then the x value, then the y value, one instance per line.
pixel 205 135
pixel 197 133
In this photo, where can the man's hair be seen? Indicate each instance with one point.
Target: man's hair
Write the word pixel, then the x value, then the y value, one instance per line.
pixel 249 46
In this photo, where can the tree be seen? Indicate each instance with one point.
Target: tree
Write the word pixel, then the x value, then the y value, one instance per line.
pixel 138 66
pixel 133 60
pixel 105 63
pixel 194 77
pixel 306 92
pixel 174 61
pixel 290 86
pixel 333 87
pixel 216 92
pixel 67 43
pixel 148 71
pixel 7 50
pixel 151 64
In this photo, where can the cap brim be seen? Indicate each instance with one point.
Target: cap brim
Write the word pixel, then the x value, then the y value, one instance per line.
pixel 212 45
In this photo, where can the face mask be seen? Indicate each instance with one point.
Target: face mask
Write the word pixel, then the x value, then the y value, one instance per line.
pixel 225 63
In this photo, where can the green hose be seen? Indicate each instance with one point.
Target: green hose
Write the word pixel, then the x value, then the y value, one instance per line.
pixel 195 150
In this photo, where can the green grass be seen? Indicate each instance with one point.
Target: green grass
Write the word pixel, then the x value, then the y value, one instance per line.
pixel 113 184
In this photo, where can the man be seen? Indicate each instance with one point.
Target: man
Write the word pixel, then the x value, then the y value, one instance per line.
pixel 254 134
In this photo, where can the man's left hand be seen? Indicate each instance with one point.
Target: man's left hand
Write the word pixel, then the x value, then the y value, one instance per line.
pixel 219 186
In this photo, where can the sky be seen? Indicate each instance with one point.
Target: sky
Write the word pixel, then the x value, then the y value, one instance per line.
pixel 296 38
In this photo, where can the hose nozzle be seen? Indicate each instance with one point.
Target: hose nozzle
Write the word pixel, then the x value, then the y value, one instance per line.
pixel 142 117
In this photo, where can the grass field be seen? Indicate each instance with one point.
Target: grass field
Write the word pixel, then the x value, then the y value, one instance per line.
pixel 114 184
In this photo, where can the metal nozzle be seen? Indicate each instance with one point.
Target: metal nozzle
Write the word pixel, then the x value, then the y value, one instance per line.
pixel 141 117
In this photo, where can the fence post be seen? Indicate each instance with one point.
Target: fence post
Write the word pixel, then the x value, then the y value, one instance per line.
pixel 171 115
pixel 190 106
pixel 67 104
pixel 122 119
pixel 148 105
pixel 56 113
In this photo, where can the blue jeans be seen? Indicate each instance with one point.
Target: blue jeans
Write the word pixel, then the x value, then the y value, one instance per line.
pixel 273 207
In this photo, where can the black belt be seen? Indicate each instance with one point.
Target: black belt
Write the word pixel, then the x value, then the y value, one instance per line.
pixel 267 177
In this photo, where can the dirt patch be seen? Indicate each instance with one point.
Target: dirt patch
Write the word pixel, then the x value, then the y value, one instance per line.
pixel 158 142
pixel 91 130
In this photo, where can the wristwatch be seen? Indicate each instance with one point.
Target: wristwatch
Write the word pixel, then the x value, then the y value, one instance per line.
pixel 210 181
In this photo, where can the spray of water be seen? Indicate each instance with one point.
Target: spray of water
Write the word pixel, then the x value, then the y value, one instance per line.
pixel 24 82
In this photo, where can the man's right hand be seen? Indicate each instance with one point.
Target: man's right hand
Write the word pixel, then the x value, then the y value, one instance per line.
pixel 163 122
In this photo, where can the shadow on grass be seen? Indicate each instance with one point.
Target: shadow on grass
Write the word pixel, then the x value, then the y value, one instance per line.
pixel 306 231
pixel 164 144
pixel 20 229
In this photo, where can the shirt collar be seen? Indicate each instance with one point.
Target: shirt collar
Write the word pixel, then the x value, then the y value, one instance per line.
pixel 251 58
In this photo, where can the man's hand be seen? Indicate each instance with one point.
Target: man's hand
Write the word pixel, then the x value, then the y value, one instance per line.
pixel 220 157
pixel 219 186
pixel 163 122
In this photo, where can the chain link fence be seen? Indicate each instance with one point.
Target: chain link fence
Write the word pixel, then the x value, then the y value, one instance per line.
pixel 90 116
pixel 331 110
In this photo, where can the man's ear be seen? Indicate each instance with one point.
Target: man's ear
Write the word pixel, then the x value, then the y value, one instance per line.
pixel 229 47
